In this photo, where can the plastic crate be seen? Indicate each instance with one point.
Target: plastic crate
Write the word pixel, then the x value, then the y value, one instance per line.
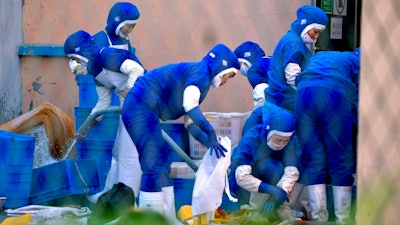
pixel 101 151
pixel 87 92
pixel 179 134
pixel 64 178
pixel 104 130
pixel 225 124
pixel 16 168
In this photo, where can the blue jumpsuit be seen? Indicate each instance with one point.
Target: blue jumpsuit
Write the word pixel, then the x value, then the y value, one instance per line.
pixel 120 12
pixel 290 49
pixel 159 95
pixel 267 165
pixel 258 72
pixel 326 91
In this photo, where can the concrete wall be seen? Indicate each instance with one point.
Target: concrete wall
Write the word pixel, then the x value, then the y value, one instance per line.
pixel 10 76
pixel 378 143
pixel 168 31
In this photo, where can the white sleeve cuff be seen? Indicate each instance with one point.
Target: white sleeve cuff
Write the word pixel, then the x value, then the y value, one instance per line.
pixel 289 178
pixel 258 94
pixel 245 180
pixel 291 71
pixel 133 69
pixel 191 97
pixel 104 101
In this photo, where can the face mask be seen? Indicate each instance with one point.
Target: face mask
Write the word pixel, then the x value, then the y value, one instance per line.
pixel 307 39
pixel 274 146
pixel 216 82
pixel 73 64
pixel 122 35
pixel 77 68
pixel 243 69
pixel 84 64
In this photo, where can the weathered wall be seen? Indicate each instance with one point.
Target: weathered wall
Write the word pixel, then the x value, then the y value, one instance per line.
pixel 168 31
pixel 10 77
pixel 378 164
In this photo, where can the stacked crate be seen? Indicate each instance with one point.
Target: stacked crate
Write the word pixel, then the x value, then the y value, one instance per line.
pixel 224 124
pixel 64 179
pixel 99 142
pixel 16 168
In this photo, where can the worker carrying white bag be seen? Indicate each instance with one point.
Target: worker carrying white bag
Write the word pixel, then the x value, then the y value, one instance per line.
pixel 210 182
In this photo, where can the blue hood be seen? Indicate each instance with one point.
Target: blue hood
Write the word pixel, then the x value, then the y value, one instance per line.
pixel 307 15
pixel 120 12
pixel 249 51
pixel 277 119
pixel 79 43
pixel 219 59
pixel 76 42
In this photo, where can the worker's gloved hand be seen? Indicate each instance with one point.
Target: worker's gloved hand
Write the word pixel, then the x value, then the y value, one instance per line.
pixel 277 194
pixel 80 136
pixel 200 120
pixel 82 133
pixel 268 208
pixel 214 145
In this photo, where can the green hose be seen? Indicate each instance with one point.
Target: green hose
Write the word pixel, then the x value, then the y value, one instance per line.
pixel 86 125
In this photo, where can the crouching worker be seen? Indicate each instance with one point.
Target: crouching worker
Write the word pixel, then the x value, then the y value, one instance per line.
pixel 264 165
pixel 168 93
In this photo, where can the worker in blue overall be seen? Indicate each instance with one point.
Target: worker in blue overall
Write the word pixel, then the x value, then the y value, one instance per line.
pixel 291 54
pixel 288 60
pixel 113 70
pixel 326 95
pixel 121 21
pixel 168 93
pixel 254 65
pixel 264 166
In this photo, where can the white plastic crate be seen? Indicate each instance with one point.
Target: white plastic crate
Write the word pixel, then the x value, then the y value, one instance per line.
pixel 225 124
pixel 182 170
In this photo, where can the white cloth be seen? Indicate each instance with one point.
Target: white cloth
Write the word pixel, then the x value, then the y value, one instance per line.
pixel 211 180
pixel 111 79
pixel 125 166
pixel 53 214
pixel 129 170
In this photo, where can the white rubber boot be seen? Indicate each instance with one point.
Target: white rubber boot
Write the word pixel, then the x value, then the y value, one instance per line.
pixel 169 205
pixel 152 201
pixel 342 203
pixel 317 202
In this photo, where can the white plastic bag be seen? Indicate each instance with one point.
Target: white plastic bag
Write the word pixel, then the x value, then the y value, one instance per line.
pixel 125 165
pixel 211 180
